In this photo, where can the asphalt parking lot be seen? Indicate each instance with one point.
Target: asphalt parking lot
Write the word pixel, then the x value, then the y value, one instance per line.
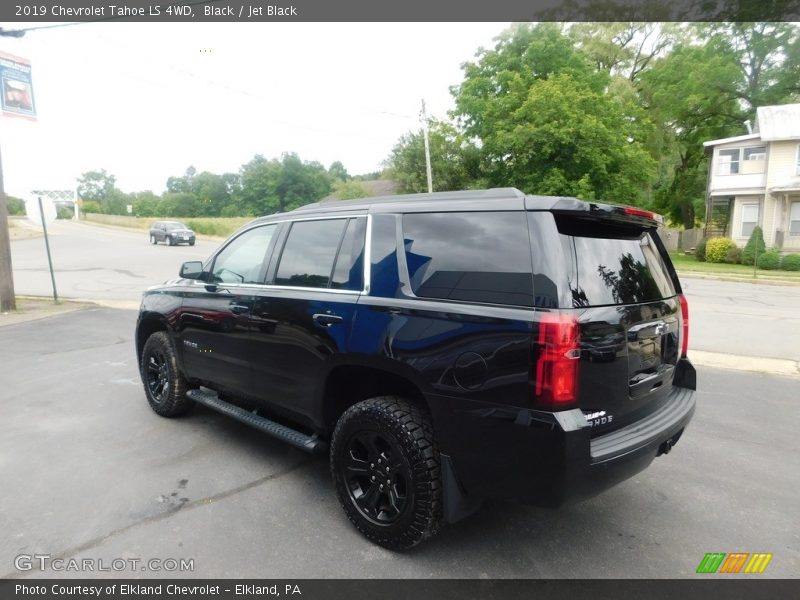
pixel 89 471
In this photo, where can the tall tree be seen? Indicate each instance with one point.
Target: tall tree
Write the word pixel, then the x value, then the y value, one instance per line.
pixel 455 163
pixel 691 94
pixel 546 123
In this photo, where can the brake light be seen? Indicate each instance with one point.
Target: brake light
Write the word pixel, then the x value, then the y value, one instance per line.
pixel 640 212
pixel 685 330
pixel 557 365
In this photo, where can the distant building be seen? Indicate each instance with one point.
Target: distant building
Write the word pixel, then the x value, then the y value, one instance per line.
pixel 754 180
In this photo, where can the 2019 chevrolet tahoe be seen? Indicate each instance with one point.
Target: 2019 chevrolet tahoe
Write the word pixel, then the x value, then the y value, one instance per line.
pixel 441 348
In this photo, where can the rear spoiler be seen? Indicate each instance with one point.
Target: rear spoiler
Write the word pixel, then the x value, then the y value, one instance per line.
pixel 580 209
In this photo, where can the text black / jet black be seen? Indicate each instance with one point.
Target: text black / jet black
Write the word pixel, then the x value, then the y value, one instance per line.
pixel 444 347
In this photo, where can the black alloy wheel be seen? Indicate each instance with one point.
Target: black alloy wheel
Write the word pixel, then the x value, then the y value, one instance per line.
pixel 377 477
pixel 385 466
pixel 157 376
pixel 164 384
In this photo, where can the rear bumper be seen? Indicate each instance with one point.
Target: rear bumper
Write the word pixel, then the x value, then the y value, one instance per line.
pixel 550 459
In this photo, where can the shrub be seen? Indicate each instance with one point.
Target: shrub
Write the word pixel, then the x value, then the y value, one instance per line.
pixel 769 261
pixel 15 206
pixel 791 262
pixel 64 212
pixel 90 206
pixel 717 249
pixel 755 245
pixel 700 251
pixel 733 256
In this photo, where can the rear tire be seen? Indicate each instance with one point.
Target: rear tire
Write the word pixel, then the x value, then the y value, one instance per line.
pixel 385 466
pixel 164 384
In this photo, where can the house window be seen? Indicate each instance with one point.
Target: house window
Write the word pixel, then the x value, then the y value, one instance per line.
pixel 728 161
pixel 749 218
pixel 794 219
pixel 797 162
pixel 755 153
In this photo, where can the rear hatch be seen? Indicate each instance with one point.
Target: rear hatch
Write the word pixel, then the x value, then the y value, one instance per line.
pixel 620 287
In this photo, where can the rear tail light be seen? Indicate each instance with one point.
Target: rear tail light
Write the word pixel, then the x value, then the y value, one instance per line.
pixel 640 212
pixel 557 364
pixel 685 321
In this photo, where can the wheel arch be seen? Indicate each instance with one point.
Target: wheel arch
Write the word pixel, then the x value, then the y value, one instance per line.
pixel 349 383
pixel 147 326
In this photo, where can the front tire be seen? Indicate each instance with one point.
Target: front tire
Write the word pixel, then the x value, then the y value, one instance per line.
pixel 171 241
pixel 385 466
pixel 153 239
pixel 164 384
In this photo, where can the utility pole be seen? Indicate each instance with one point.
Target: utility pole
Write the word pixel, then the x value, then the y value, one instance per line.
pixel 424 116
pixel 7 299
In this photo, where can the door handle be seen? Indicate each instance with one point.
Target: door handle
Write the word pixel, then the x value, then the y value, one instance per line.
pixel 239 309
pixel 326 320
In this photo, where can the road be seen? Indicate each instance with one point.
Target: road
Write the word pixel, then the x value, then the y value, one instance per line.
pixel 91 472
pixel 99 263
pixel 102 263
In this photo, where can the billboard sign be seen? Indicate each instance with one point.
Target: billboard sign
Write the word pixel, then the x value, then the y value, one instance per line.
pixel 16 87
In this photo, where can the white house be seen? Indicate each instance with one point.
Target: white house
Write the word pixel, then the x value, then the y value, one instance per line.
pixel 754 179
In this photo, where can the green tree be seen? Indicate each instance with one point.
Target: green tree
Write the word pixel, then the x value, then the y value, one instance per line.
pixel 688 93
pixel 755 247
pixel 764 55
pixel 545 122
pixel 337 172
pixel 269 186
pixel 455 164
pixel 16 206
pixel 100 187
pixel 349 190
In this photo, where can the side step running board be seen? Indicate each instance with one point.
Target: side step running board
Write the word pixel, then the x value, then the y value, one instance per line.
pixel 209 398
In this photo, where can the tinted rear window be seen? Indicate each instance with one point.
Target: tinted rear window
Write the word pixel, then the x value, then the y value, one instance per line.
pixel 470 256
pixel 613 265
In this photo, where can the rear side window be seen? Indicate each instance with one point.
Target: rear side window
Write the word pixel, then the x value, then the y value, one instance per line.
pixel 323 254
pixel 613 265
pixel 470 256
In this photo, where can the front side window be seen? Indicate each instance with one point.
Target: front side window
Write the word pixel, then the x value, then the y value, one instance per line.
pixel 794 219
pixel 323 254
pixel 728 161
pixel 469 256
pixel 242 260
pixel 749 218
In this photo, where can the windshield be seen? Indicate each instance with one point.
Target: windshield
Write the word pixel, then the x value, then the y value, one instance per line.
pixel 173 226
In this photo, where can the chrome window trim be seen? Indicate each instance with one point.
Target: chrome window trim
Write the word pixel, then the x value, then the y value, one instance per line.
pixel 262 286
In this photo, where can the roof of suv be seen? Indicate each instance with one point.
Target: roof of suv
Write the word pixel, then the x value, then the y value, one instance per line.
pixel 504 199
pixel 403 199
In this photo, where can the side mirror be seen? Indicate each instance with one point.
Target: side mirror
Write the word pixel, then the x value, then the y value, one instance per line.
pixel 192 269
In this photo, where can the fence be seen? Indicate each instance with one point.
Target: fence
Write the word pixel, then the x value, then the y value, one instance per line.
pixel 680 239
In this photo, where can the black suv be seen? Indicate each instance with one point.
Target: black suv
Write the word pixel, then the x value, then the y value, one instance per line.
pixel 444 348
pixel 172 233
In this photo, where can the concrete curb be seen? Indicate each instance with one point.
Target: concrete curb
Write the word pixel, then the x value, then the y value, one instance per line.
pixel 752 364
pixel 714 277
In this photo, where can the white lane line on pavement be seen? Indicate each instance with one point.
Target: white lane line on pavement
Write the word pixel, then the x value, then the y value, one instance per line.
pixel 773 366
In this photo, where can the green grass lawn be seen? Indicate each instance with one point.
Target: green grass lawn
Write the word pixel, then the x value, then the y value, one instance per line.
pixel 686 263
